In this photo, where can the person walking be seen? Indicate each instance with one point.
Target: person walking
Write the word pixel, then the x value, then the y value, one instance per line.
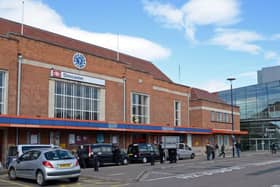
pixel 117 154
pixel 273 148
pixel 161 152
pixel 222 151
pixel 216 149
pixel 82 156
pixel 238 147
pixel 208 150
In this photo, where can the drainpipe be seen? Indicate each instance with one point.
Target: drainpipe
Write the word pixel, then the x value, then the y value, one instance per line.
pixel 18 92
pixel 124 99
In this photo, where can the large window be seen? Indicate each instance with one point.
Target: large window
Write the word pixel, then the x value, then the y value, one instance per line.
pixel 2 92
pixel 76 101
pixel 140 108
pixel 177 113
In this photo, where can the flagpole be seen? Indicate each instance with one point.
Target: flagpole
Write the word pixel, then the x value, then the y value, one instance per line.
pixel 22 18
pixel 118 48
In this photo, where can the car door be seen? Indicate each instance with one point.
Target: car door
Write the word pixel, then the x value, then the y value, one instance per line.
pixel 181 151
pixel 188 151
pixel 107 153
pixel 34 163
pixel 22 167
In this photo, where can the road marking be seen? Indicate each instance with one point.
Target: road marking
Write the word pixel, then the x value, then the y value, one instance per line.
pixel 116 174
pixel 211 172
pixel 14 183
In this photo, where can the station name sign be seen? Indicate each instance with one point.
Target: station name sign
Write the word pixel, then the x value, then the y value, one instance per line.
pixel 76 77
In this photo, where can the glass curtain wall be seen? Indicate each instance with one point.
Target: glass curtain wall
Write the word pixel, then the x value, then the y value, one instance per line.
pixel 259 113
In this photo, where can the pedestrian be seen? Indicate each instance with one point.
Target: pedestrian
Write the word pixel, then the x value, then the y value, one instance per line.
pixel 222 151
pixel 117 155
pixel 238 147
pixel 208 150
pixel 161 153
pixel 273 148
pixel 213 151
pixel 82 156
pixel 217 149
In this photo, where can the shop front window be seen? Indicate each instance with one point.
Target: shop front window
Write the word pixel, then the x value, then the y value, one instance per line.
pixel 76 101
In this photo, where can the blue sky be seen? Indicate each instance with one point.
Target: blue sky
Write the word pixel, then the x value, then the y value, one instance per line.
pixel 210 40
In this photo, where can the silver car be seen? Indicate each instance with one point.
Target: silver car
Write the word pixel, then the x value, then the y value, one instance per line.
pixel 45 164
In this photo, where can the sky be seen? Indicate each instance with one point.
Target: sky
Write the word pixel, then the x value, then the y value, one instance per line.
pixel 198 43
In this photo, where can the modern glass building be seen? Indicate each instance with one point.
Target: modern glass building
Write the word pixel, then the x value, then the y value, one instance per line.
pixel 259 113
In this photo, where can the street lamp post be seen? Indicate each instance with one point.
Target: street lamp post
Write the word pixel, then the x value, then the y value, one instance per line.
pixel 232 118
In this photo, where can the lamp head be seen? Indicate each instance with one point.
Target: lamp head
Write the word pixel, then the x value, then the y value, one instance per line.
pixel 231 79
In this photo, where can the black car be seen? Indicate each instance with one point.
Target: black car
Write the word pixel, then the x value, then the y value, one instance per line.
pixel 142 152
pixel 105 153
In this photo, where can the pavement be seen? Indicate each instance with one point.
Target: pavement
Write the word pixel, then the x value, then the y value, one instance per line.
pixel 134 172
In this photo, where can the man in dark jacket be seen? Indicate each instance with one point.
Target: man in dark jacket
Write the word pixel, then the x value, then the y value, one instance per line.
pixel 117 154
pixel 161 152
pixel 82 155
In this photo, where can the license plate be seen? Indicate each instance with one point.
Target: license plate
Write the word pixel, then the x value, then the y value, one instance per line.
pixel 64 165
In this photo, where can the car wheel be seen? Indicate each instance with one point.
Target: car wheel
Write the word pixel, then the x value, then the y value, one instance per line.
pixel 144 160
pixel 12 174
pixel 75 179
pixel 192 156
pixel 125 161
pixel 40 179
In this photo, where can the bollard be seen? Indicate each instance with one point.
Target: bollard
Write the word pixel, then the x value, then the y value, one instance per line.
pixel 152 159
pixel 95 160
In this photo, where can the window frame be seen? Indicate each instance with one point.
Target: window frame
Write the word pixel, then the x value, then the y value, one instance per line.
pixel 177 113
pixel 4 87
pixel 147 106
pixel 85 100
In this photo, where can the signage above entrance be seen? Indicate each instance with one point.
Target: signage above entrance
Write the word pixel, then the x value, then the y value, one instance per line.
pixel 76 77
pixel 79 60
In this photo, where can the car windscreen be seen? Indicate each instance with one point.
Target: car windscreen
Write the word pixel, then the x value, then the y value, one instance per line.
pixel 27 148
pixel 58 155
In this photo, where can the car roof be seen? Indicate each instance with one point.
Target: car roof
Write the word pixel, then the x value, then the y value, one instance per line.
pixel 33 145
pixel 44 150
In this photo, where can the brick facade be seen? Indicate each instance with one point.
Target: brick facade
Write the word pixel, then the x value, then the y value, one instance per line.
pixel 43 51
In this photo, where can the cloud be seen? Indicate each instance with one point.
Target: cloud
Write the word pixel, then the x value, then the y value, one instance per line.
pixel 195 13
pixel 275 37
pixel 271 55
pixel 215 85
pixel 38 14
pixel 250 75
pixel 237 40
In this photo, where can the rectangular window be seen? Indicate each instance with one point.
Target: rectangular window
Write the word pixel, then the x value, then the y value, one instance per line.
pixel 140 108
pixel 177 113
pixel 2 92
pixel 220 117
pixel 226 139
pixel 213 116
pixel 76 101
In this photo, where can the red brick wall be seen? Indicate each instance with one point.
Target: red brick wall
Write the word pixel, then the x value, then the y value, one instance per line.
pixel 202 118
pixel 8 62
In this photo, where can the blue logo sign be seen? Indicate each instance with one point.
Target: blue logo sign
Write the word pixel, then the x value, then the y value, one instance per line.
pixel 79 60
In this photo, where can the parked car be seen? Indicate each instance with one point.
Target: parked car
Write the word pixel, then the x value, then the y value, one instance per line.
pixel 184 151
pixel 142 152
pixel 17 150
pixel 43 165
pixel 105 154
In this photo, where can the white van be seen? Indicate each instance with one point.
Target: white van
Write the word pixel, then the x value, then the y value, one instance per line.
pixel 17 150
